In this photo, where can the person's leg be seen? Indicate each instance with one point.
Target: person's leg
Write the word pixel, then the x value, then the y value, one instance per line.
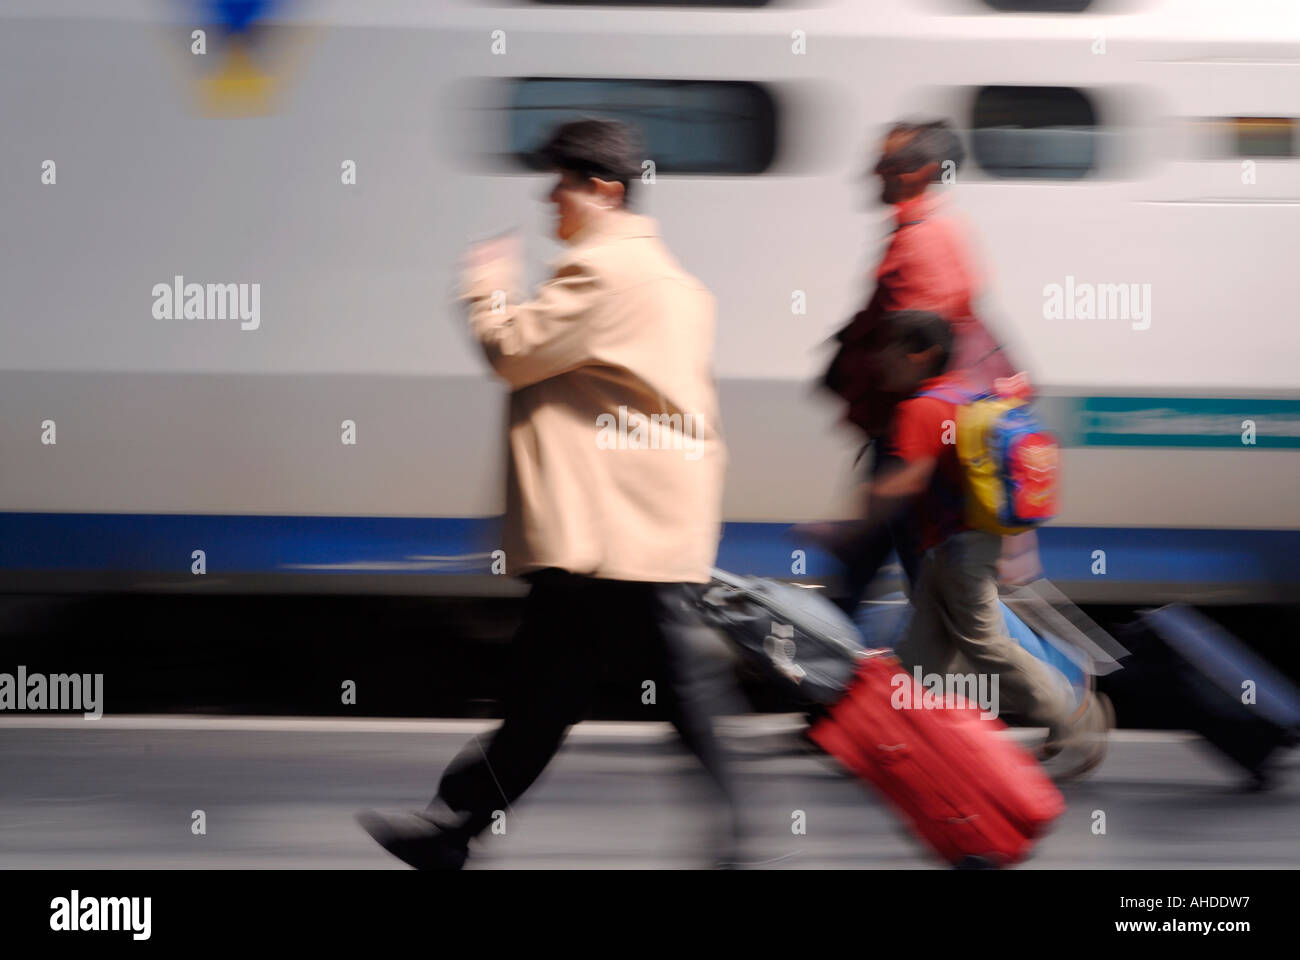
pixel 553 665
pixel 926 643
pixel 865 549
pixel 862 555
pixel 902 526
pixel 554 662
pixel 902 533
pixel 701 685
pixel 965 587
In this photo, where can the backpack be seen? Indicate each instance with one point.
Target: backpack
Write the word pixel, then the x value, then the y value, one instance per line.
pixel 1010 461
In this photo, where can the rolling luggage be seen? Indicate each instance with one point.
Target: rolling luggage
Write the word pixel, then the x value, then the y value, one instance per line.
pixel 1204 677
pixel 1067 664
pixel 808 648
pixel 976 797
pixel 795 637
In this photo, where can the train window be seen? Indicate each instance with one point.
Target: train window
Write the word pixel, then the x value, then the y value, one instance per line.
pixel 1034 133
pixel 656 3
pixel 1039 6
pixel 1264 136
pixel 689 126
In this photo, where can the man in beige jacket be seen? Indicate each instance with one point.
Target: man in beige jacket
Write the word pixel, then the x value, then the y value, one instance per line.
pixel 613 496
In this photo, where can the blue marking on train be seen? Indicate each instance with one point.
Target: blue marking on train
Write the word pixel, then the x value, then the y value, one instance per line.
pixel 164 543
pixel 238 16
pixel 1184 422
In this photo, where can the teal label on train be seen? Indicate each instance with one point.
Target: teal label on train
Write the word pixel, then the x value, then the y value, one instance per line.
pixel 1181 422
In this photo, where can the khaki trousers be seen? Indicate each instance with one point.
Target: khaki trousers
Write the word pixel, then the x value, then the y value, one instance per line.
pixel 958 627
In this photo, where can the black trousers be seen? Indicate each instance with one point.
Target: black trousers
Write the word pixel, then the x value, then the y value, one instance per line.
pixel 577 632
pixel 863 559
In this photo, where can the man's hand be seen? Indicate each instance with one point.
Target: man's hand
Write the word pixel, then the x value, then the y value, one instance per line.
pixel 896 487
pixel 904 481
pixel 503 246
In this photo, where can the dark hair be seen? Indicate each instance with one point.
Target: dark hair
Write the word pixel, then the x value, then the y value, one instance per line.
pixel 605 149
pixel 918 330
pixel 932 141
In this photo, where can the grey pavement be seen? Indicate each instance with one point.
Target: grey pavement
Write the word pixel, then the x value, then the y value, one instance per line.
pixel 120 793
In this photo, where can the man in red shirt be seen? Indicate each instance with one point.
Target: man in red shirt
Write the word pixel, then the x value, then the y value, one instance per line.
pixel 927 266
pixel 958 626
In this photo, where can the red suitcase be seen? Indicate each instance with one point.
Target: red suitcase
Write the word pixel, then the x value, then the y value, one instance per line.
pixel 972 794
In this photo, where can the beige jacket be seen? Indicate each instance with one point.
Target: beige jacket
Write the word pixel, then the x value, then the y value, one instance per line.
pixel 616 457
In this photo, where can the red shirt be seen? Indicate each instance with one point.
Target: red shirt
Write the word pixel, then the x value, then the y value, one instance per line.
pixel 927 266
pixel 919 430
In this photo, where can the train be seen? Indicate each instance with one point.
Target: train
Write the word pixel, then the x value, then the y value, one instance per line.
pixel 321 420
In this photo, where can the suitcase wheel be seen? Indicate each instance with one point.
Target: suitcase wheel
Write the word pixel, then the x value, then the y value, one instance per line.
pixel 972 862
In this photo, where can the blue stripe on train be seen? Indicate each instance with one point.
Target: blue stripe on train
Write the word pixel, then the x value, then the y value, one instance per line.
pixel 271 544
pixel 1130 554
pixel 370 545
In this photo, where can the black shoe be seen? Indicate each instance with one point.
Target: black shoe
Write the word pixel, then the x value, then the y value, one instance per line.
pixel 416 839
pixel 1262 779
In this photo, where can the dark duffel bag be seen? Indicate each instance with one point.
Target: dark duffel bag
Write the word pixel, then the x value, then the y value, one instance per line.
pixel 793 636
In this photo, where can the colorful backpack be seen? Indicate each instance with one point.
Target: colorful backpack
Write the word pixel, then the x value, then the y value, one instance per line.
pixel 1011 462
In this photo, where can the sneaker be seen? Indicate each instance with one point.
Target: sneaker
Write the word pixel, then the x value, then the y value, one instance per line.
pixel 1085 748
pixel 416 839
pixel 1049 750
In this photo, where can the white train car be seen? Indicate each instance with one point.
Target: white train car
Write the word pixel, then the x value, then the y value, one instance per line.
pixel 331 159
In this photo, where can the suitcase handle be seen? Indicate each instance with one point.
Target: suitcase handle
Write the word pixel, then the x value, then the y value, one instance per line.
pixel 727 579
